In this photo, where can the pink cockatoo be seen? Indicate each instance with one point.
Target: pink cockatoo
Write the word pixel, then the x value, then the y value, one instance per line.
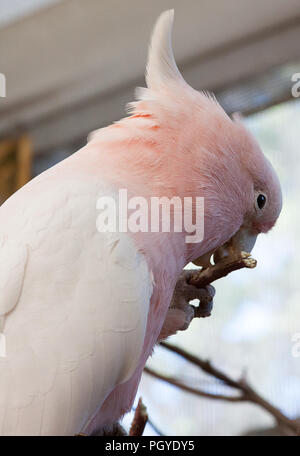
pixel 81 309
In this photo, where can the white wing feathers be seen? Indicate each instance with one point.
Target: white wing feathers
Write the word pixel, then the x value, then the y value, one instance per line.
pixel 82 298
pixel 13 258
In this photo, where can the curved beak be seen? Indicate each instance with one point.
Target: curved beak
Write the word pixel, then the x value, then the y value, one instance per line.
pixel 243 241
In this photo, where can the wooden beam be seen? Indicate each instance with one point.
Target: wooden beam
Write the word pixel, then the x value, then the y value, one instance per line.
pixel 15 165
pixel 23 161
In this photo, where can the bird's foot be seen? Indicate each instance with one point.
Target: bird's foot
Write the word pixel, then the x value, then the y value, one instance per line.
pixel 181 312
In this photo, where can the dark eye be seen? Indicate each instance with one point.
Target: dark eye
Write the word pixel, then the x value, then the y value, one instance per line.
pixel 261 201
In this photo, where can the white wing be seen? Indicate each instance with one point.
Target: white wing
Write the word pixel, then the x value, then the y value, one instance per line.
pixel 13 258
pixel 78 313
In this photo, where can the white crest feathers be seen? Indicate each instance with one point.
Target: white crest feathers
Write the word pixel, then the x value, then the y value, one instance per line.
pixel 161 66
pixel 166 88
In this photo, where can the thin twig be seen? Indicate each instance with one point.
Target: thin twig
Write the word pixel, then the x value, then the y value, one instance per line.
pixel 153 425
pixel 139 420
pixel 222 269
pixel 247 392
pixel 189 389
pixel 205 365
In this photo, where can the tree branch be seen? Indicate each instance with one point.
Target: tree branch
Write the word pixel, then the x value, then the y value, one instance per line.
pixel 189 389
pixel 221 269
pixel 139 420
pixel 247 393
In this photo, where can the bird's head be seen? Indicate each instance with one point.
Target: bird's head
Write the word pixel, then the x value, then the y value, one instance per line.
pixel 182 143
pixel 222 160
pixel 260 198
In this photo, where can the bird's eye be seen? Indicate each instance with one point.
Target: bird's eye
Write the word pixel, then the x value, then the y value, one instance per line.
pixel 261 201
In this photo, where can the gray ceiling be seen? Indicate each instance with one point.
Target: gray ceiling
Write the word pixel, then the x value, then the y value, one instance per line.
pixel 72 66
pixel 12 10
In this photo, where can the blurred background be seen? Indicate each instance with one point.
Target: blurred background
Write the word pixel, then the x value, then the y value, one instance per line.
pixel 70 67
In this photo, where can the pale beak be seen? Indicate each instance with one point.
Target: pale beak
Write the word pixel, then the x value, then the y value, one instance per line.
pixel 243 241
